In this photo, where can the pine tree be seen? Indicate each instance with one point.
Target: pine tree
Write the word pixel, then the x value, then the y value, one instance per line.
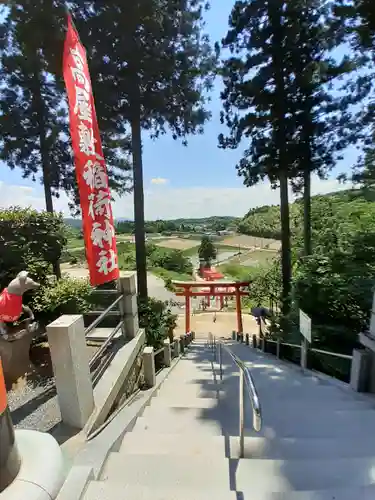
pixel 319 115
pixel 154 64
pixel 33 112
pixel 207 251
pixel 358 20
pixel 32 120
pixel 258 105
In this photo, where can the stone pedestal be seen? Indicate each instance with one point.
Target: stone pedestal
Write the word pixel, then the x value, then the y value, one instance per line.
pixel 363 367
pixel 70 360
pixel 360 370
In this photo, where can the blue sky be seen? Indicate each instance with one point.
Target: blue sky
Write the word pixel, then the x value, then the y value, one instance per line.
pixel 197 180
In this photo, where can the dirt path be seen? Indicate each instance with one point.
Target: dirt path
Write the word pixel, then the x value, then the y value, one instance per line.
pixel 225 323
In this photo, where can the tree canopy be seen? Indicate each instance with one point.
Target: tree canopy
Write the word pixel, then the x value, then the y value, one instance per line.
pixel 153 64
pixel 207 251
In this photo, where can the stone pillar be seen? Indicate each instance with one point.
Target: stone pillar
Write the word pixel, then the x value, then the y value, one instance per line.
pixel 128 306
pixel 182 344
pixel 234 335
pixel 70 361
pixel 149 366
pixel 304 350
pixel 278 345
pixel 359 373
pixel 176 348
pixel 167 353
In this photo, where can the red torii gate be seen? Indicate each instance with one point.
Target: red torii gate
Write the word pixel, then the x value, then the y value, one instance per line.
pixel 215 289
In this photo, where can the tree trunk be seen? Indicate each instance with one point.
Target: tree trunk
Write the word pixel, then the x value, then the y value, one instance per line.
pixel 286 263
pixel 46 167
pixel 281 139
pixel 307 212
pixel 139 215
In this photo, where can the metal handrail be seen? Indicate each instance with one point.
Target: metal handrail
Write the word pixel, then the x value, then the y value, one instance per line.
pixel 329 353
pixel 313 349
pixel 95 323
pixel 103 347
pixel 246 379
pixel 159 351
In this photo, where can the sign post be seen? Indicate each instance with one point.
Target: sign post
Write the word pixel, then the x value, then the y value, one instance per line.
pixel 305 329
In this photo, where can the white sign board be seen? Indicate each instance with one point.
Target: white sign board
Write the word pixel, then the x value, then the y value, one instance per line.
pixel 305 325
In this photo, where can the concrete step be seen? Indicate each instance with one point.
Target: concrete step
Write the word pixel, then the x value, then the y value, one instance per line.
pixel 283 424
pixel 103 490
pixel 179 426
pixel 149 443
pixel 190 444
pixel 190 391
pixel 269 389
pixel 256 476
pixel 98 334
pixel 180 401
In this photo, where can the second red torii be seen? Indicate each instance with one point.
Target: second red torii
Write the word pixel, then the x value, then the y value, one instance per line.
pixel 212 288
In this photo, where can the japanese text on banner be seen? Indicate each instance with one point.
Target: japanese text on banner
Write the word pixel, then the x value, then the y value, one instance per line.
pixel 91 172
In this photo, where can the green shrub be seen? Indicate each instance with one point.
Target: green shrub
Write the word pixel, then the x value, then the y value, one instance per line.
pixel 29 240
pixel 157 320
pixel 65 296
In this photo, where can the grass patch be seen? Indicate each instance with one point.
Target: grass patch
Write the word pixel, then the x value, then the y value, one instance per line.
pixel 236 271
pixel 255 259
pixel 171 275
pixel 75 243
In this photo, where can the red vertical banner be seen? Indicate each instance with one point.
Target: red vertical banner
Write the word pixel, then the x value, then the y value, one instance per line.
pixel 91 172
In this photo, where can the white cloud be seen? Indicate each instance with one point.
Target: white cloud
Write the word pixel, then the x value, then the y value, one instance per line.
pixel 166 202
pixel 159 181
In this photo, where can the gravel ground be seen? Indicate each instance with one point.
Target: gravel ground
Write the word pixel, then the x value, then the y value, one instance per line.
pixel 34 405
pixel 33 402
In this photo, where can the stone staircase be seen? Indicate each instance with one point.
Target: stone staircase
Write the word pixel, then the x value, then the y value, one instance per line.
pixel 317 441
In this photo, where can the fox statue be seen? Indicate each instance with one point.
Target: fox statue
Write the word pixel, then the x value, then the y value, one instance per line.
pixel 11 306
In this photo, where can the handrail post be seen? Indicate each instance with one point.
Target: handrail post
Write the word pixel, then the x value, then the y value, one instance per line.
pixel 167 352
pixel 182 344
pixel 149 366
pixel 242 414
pixel 176 348
pixel 304 349
pixel 221 361
pixel 129 305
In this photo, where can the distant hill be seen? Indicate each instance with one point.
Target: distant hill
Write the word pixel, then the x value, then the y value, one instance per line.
pixel 76 223
pixel 265 221
pixel 204 221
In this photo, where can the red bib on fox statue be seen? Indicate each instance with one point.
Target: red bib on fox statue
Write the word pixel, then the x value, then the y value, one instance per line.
pixel 11 297
pixel 10 306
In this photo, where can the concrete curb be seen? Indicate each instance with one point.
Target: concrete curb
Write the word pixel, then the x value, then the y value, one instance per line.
pixel 42 469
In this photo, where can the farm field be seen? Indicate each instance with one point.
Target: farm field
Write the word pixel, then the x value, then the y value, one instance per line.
pixel 178 243
pixel 246 241
pixel 255 258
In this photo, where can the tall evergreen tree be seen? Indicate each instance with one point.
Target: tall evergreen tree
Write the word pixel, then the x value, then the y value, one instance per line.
pixel 357 21
pixel 34 132
pixel 153 63
pixel 32 118
pixel 258 105
pixel 319 115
